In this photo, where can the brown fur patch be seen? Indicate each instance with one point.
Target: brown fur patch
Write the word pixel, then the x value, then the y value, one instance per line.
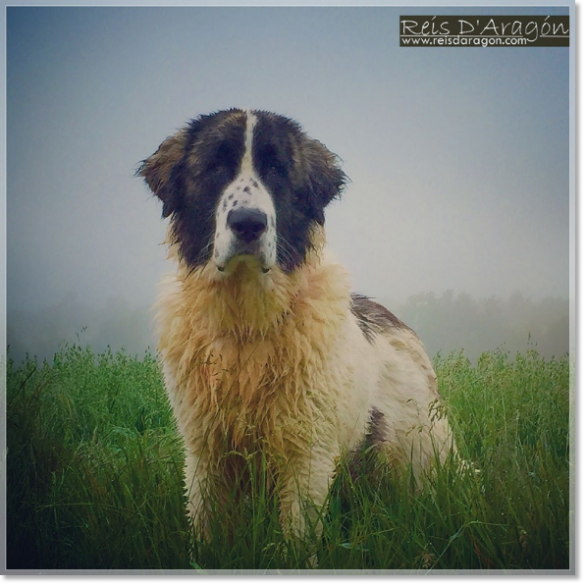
pixel 373 318
pixel 377 433
pixel 361 459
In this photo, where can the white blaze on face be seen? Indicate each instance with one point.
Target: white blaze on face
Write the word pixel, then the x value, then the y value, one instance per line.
pixel 245 193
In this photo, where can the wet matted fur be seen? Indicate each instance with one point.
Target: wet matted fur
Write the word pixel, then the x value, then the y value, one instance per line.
pixel 265 351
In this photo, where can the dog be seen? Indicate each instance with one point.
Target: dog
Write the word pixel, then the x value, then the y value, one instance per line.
pixel 265 351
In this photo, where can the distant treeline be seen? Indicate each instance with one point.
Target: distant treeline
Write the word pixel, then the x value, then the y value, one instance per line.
pixel 445 322
pixel 453 321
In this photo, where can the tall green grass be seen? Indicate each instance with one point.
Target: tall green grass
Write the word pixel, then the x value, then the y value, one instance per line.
pixel 94 478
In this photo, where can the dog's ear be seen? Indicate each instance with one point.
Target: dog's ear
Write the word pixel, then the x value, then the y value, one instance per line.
pixel 325 176
pixel 158 168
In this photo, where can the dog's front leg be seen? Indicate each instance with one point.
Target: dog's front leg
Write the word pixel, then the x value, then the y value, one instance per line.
pixel 197 479
pixel 305 484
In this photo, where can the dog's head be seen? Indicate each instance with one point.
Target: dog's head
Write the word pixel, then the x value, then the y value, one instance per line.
pixel 243 186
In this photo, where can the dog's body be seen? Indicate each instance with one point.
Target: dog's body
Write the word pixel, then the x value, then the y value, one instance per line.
pixel 264 349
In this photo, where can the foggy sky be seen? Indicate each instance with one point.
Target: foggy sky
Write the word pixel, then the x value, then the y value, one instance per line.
pixel 458 157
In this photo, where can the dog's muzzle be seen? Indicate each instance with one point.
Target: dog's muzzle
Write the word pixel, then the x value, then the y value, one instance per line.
pixel 247 229
pixel 245 225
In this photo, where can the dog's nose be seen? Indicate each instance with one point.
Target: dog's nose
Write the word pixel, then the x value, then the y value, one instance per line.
pixel 247 223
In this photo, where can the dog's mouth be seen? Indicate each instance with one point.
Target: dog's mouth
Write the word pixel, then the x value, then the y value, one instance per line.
pixel 254 255
pixel 252 261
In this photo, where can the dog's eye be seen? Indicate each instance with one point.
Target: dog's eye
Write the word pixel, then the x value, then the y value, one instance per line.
pixel 217 168
pixel 271 164
pixel 276 169
pixel 223 160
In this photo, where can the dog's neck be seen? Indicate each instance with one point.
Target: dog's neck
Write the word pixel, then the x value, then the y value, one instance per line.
pixel 248 304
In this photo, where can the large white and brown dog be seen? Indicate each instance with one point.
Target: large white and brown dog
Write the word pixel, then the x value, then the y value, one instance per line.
pixel 265 351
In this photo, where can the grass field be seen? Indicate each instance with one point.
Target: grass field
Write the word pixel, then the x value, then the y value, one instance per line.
pixel 94 478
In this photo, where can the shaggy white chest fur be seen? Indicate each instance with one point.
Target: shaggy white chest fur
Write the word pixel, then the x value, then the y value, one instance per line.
pixel 265 358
